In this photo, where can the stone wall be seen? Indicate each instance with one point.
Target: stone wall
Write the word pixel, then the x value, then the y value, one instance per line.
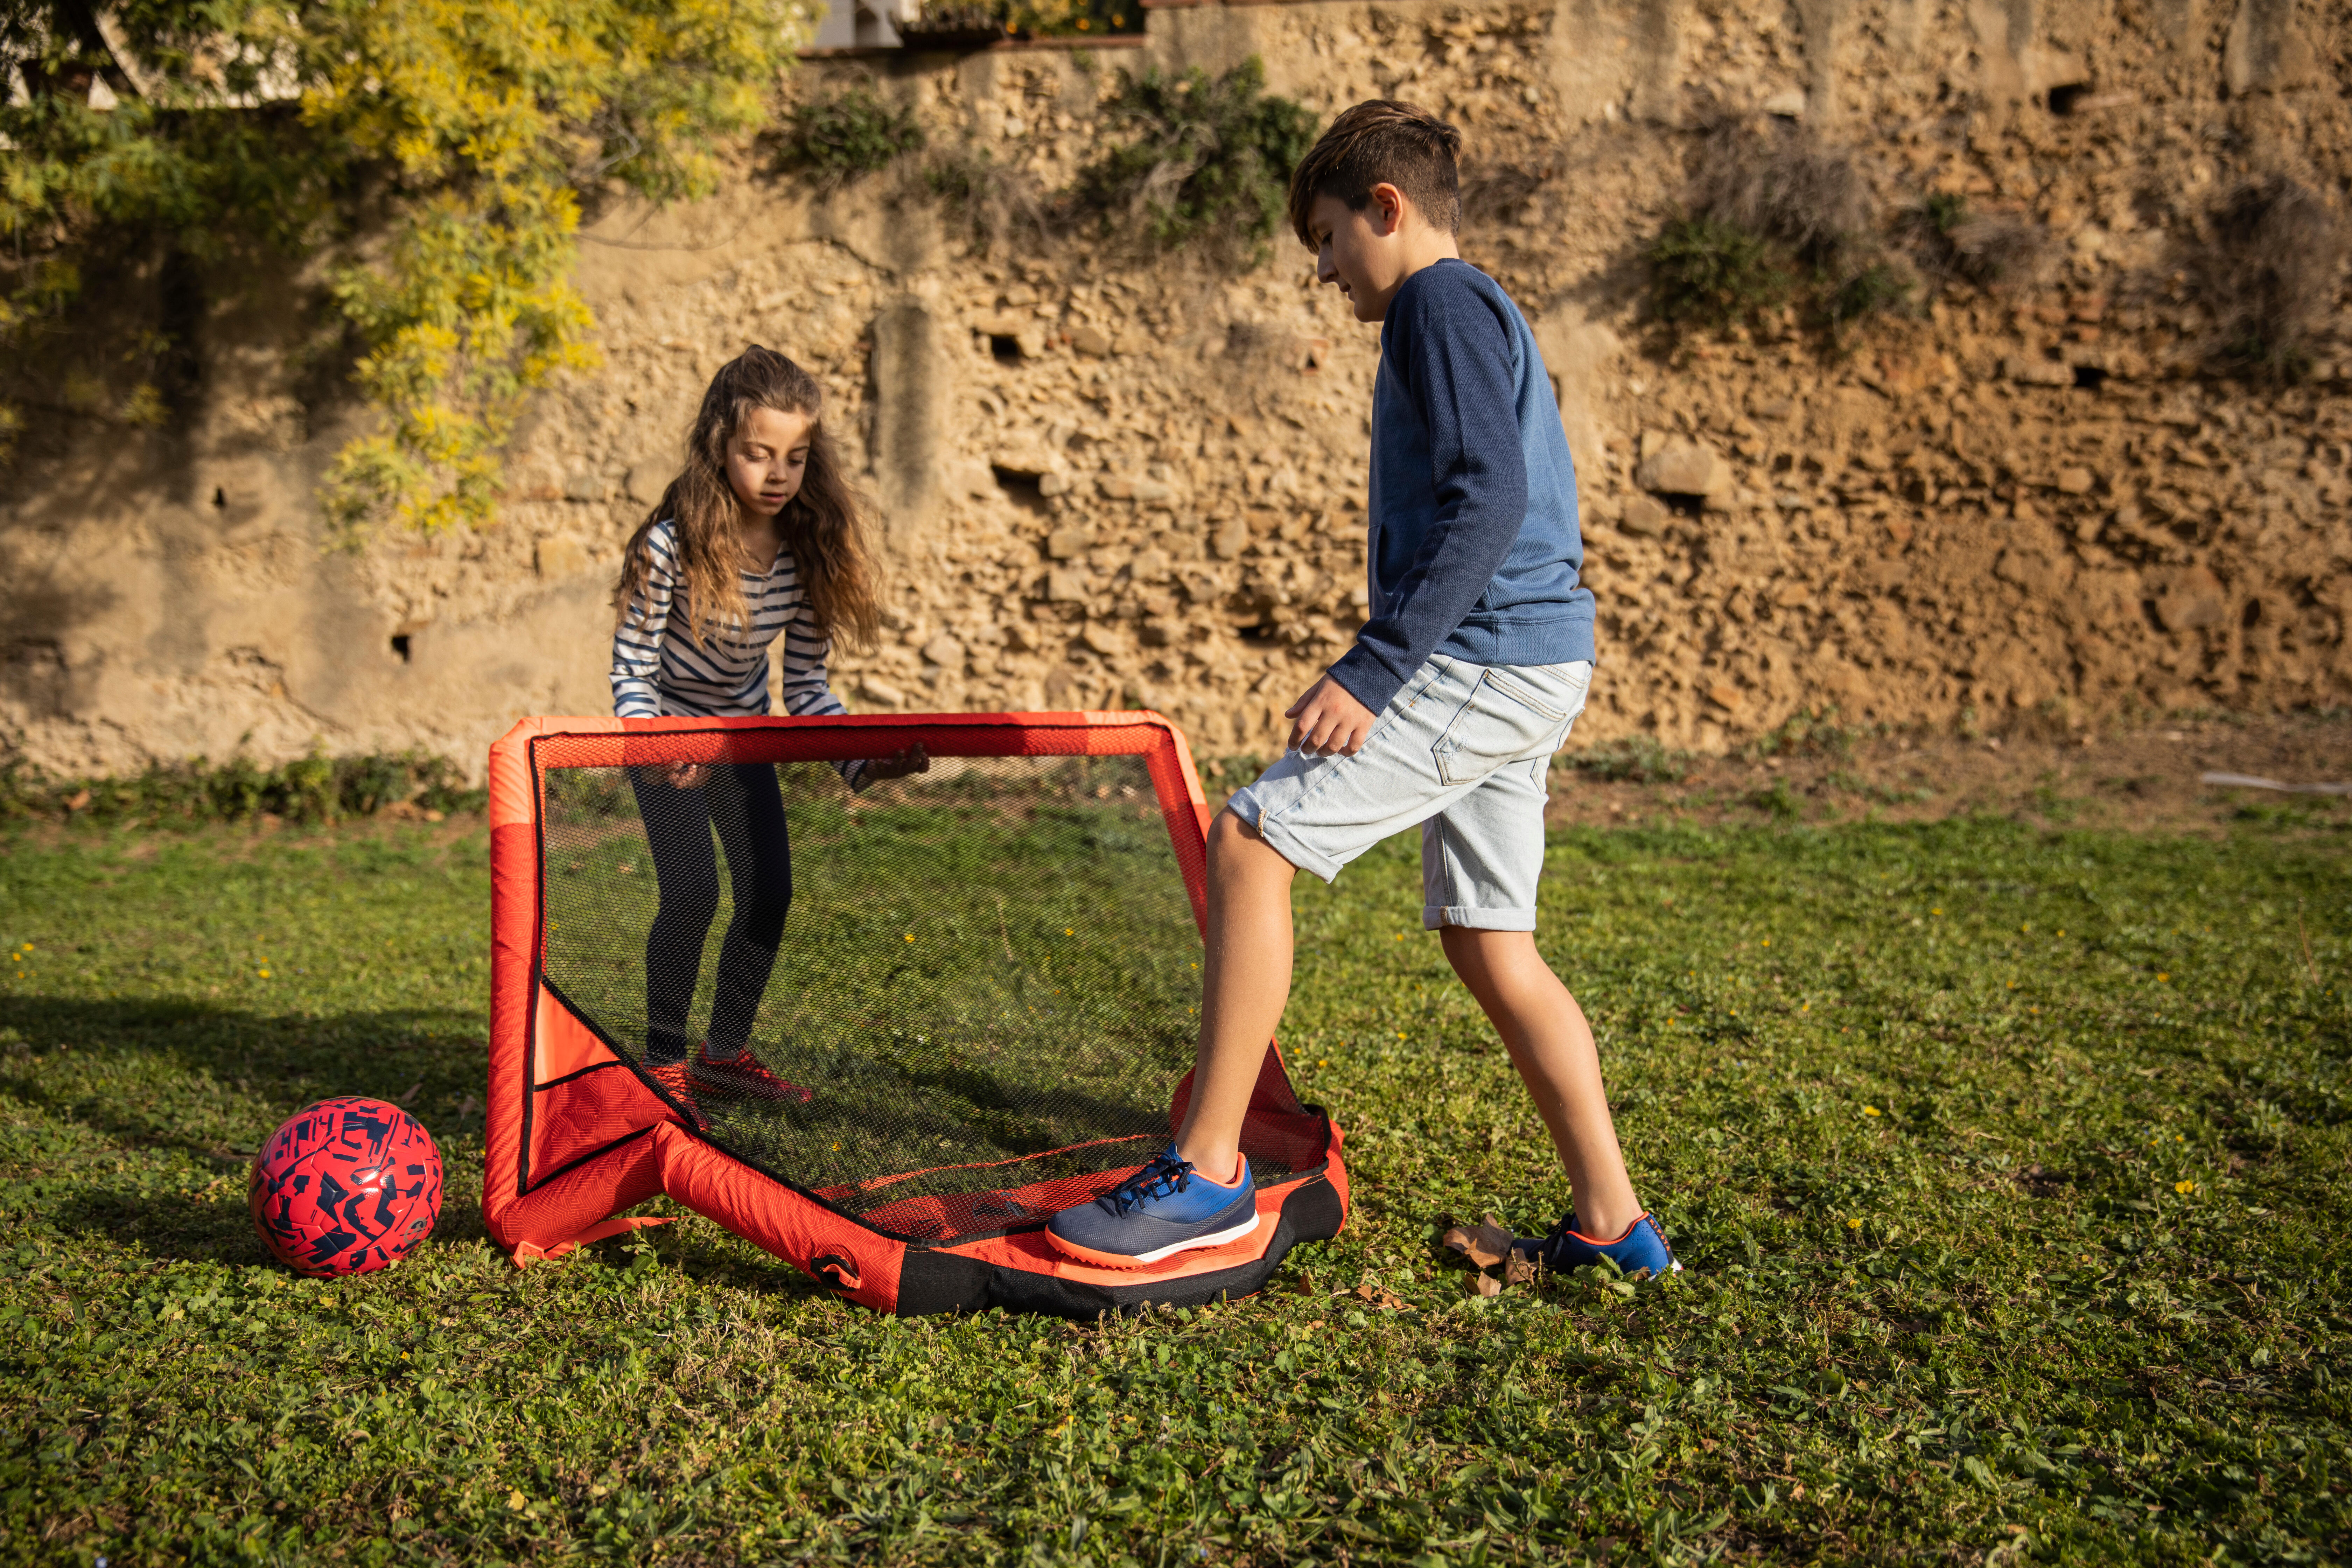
pixel 1108 478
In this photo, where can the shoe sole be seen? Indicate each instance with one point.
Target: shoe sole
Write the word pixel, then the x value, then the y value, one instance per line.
pixel 1146 1259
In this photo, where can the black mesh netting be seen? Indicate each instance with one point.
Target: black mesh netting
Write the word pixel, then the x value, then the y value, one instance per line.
pixel 985 979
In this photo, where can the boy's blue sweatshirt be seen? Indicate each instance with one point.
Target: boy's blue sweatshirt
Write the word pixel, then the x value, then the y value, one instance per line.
pixel 1475 550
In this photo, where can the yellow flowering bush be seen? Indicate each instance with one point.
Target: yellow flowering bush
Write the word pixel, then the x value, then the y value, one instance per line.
pixel 444 147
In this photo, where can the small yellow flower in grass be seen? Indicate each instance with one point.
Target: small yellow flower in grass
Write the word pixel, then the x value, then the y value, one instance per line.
pixel 2161 977
pixel 1322 1061
pixel 1854 1224
pixel 1870 1111
pixel 1069 931
pixel 2184 1188
pixel 1935 911
pixel 910 936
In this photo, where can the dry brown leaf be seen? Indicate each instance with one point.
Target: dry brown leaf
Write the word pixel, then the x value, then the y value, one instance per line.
pixel 1381 1296
pixel 1489 1286
pixel 1489 1243
pixel 1519 1269
pixel 1457 1239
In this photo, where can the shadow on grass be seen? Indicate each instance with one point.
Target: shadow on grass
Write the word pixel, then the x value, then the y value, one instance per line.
pixel 178 1228
pixel 210 1083
pixel 97 1063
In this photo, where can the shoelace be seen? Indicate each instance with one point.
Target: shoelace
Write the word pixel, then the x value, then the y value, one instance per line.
pixel 1165 1174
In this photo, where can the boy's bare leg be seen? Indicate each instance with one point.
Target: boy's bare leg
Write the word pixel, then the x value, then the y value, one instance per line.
pixel 1245 984
pixel 1551 1044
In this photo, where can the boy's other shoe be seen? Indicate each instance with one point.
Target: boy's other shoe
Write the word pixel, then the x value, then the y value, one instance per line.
pixel 741 1074
pixel 1165 1209
pixel 1644 1246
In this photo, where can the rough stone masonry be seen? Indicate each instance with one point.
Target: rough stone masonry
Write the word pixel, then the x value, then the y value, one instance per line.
pixel 1110 479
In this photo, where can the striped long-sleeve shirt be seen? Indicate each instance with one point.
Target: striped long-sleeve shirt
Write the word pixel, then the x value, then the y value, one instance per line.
pixel 661 670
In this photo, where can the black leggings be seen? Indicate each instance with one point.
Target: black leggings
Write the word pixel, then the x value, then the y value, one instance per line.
pixel 744 805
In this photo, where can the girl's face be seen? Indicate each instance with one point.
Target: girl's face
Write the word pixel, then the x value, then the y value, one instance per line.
pixel 767 458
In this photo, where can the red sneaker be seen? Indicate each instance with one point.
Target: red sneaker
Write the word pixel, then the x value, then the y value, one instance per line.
pixel 677 1083
pixel 742 1075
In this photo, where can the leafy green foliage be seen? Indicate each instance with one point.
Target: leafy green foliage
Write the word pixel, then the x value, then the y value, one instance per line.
pixel 1875 289
pixel 2266 270
pixel 1705 273
pixel 855 132
pixel 474 126
pixel 1202 157
pixel 1631 759
pixel 1774 217
pixel 2007 1167
pixel 1954 240
pixel 314 789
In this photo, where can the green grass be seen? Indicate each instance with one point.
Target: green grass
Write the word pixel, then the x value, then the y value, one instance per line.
pixel 2010 1168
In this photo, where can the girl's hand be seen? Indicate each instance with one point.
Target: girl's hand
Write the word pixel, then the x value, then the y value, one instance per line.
pixel 685 775
pixel 913 760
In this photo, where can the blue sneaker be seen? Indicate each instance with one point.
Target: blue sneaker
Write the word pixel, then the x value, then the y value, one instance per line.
pixel 1644 1246
pixel 1165 1209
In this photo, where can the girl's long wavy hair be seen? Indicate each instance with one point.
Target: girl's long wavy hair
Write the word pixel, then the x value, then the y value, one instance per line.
pixel 823 526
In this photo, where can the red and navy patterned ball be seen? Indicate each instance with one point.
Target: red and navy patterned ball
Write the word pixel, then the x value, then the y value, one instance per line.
pixel 345 1186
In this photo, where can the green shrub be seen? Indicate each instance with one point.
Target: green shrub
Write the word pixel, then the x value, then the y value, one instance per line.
pixel 1708 273
pixel 848 133
pixel 309 789
pixel 1816 734
pixel 1878 288
pixel 1633 759
pixel 1953 241
pixel 1772 215
pixel 1202 158
pixel 999 204
pixel 2267 271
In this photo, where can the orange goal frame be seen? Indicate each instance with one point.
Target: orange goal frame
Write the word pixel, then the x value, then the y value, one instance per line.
pixel 577 1133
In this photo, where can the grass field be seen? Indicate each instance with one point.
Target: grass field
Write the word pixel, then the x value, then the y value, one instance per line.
pixel 2011 1169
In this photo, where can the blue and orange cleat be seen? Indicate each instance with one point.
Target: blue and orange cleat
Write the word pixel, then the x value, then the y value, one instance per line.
pixel 1643 1246
pixel 1163 1209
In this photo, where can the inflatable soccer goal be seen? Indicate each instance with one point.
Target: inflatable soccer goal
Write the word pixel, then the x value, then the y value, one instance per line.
pixel 981 1006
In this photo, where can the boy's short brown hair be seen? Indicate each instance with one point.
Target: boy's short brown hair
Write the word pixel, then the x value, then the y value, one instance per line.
pixel 1381 142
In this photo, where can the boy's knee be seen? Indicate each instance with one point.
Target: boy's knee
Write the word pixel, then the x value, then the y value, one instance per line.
pixel 1236 848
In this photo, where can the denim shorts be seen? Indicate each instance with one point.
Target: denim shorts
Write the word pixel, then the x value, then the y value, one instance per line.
pixel 1461 753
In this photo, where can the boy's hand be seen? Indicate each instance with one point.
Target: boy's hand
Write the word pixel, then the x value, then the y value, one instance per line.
pixel 1328 719
pixel 685 776
pixel 914 759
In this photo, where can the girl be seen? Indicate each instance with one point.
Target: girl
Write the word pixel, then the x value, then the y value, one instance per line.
pixel 761 534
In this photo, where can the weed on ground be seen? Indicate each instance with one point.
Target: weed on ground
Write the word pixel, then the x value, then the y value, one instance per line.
pixel 2007 1165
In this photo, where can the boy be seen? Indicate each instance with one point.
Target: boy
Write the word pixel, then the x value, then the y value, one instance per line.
pixel 1445 713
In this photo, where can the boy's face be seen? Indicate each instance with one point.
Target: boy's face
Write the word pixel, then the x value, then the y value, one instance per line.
pixel 1364 252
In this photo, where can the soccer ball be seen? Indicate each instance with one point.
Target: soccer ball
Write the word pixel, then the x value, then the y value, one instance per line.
pixel 345 1186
